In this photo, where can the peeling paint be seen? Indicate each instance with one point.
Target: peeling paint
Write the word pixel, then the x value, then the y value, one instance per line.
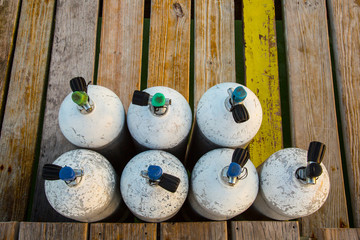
pixel 153 203
pixel 282 196
pixel 98 128
pixel 96 197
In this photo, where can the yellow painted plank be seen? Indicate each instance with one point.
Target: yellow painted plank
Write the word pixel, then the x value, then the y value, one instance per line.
pixel 262 75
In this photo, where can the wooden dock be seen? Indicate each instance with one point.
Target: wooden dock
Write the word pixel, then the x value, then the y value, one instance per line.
pixel 189 46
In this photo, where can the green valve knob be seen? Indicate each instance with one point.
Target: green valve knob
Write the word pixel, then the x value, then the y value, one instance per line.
pixel 80 98
pixel 158 100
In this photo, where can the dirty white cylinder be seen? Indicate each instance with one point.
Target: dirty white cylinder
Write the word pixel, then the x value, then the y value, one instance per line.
pixel 217 124
pixel 167 132
pixel 95 197
pixel 282 196
pixel 102 129
pixel 153 203
pixel 211 196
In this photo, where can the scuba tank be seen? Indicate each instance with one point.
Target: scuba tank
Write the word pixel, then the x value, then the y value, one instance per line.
pixel 227 115
pixel 160 118
pixel 93 117
pixel 82 185
pixel 293 183
pixel 223 184
pixel 154 185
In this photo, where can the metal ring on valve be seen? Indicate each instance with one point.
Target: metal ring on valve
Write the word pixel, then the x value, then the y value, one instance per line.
pixel 225 177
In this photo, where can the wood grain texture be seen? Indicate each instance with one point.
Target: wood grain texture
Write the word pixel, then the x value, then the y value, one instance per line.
pixel 338 234
pixel 8 18
pixel 22 113
pixel 312 106
pixel 9 230
pixel 193 230
pixel 53 231
pixel 73 54
pixel 108 231
pixel 264 230
pixel 169 47
pixel 262 76
pixel 345 27
pixel 214 45
pixel 121 47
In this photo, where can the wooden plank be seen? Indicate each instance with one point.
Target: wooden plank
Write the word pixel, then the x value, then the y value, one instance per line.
pixel 121 47
pixel 338 234
pixel 9 11
pixel 114 231
pixel 73 54
pixel 9 230
pixel 169 48
pixel 262 76
pixel 264 230
pixel 345 26
pixel 214 45
pixel 22 113
pixel 312 105
pixel 53 231
pixel 193 230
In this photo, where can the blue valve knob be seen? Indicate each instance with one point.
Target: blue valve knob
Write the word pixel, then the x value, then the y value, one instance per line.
pixel 234 170
pixel 154 172
pixel 67 174
pixel 239 94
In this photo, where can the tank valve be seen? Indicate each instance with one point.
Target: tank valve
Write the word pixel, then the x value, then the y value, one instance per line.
pixel 236 170
pixel 235 103
pixel 72 177
pixel 157 177
pixel 158 104
pixel 80 96
pixel 313 170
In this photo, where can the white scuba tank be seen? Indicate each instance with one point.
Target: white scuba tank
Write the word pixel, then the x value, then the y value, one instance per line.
pixel 160 118
pixel 293 183
pixel 93 117
pixel 227 115
pixel 223 184
pixel 82 185
pixel 154 185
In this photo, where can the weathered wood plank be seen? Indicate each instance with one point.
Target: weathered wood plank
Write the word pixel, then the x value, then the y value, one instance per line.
pixel 312 106
pixel 338 234
pixel 264 230
pixel 114 231
pixel 121 47
pixel 22 113
pixel 9 11
pixel 9 230
pixel 193 230
pixel 262 76
pixel 53 231
pixel 73 54
pixel 345 26
pixel 214 45
pixel 169 49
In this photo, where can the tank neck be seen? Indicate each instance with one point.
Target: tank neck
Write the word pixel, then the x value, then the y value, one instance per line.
pixel 70 176
pixel 234 103
pixel 232 176
pixel 158 103
pixel 313 169
pixel 155 177
pixel 84 103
